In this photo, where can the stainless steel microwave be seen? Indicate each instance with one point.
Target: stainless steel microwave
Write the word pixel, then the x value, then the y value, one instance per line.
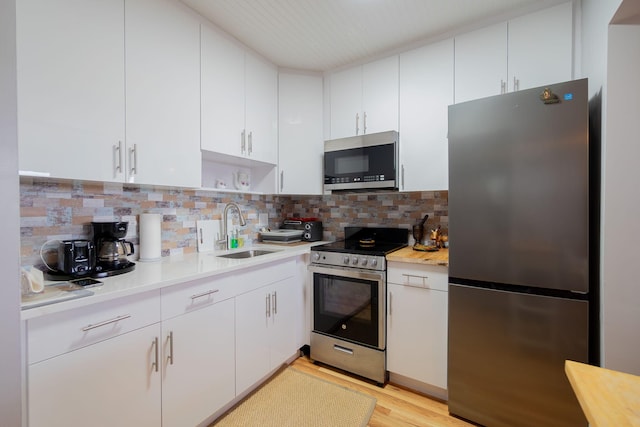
pixel 362 162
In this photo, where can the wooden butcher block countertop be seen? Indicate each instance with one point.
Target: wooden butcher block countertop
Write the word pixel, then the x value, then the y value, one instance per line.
pixel 608 398
pixel 439 257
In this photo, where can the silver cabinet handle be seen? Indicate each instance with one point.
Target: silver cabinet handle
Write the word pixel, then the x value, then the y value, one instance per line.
pixel 402 175
pixel 424 281
pixel 155 365
pixel 281 180
pixel 170 339
pixel 205 293
pixel 243 141
pixel 503 87
pixel 516 84
pixel 275 302
pixel 364 123
pixel 357 123
pixel 201 236
pixel 250 143
pixel 133 160
pixel 117 157
pixel 390 304
pixel 268 305
pixel 105 322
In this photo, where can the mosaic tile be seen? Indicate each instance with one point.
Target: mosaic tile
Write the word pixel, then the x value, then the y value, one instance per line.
pixel 61 209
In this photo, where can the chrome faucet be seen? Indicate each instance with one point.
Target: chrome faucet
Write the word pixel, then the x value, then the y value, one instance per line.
pixel 224 240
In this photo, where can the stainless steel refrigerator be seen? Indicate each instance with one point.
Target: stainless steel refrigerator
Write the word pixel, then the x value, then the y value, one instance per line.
pixel 520 253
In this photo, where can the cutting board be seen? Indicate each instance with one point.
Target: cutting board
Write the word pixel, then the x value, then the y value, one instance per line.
pixel 207 231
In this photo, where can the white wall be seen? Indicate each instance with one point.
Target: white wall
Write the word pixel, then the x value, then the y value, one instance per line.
pixel 621 283
pixel 10 347
pixel 596 15
pixel 611 61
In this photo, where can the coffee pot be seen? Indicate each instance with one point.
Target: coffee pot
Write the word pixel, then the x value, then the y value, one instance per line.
pixel 115 251
pixel 111 248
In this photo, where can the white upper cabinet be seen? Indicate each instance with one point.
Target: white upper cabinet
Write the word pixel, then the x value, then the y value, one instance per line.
pixel 162 93
pixel 70 87
pixel 364 99
pixel 78 74
pixel 528 51
pixel 301 145
pixel 540 48
pixel 222 103
pixel 239 104
pixel 261 109
pixel 426 91
pixel 481 63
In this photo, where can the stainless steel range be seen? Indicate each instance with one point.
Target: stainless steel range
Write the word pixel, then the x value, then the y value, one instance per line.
pixel 349 300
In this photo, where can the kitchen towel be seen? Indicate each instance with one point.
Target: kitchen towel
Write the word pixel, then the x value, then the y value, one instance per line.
pixel 150 237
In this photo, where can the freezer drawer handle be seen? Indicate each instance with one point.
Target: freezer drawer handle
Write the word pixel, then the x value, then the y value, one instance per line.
pixel 424 285
pixel 343 349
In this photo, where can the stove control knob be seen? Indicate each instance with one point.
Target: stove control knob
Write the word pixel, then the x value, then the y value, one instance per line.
pixel 374 262
pixel 316 256
pixel 345 260
pixel 355 260
pixel 364 262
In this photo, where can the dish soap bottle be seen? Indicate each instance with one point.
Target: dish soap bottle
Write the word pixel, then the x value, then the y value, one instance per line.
pixel 234 239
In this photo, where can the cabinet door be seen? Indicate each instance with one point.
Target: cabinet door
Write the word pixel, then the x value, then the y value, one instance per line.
pixel 261 109
pixel 417 334
pixel 300 131
pixel 286 314
pixel 112 383
pixel 380 95
pixel 222 102
pixel 198 364
pixel 540 48
pixel 253 315
pixel 163 93
pixel 426 91
pixel 70 87
pixel 481 63
pixel 346 103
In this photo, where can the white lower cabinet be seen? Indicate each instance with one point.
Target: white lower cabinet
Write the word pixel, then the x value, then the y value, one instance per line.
pixel 171 357
pixel 111 383
pixel 198 364
pixel 417 300
pixel 265 330
pixel 96 365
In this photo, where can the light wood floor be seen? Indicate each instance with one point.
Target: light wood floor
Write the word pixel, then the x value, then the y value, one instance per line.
pixel 395 406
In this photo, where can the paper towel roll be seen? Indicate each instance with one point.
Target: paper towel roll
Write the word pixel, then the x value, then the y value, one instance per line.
pixel 150 237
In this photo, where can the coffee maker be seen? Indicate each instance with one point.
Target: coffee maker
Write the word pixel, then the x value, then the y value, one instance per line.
pixel 111 248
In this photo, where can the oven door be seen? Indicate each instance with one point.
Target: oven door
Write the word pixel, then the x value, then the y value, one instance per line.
pixel 349 303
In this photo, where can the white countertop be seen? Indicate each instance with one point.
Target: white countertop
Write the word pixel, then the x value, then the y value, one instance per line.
pixel 169 271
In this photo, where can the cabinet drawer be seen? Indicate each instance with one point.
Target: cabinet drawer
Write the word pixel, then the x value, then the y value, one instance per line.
pixel 262 275
pixel 194 295
pixel 418 275
pixel 59 333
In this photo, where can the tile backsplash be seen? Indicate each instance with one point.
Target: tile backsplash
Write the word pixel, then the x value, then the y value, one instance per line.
pixel 53 209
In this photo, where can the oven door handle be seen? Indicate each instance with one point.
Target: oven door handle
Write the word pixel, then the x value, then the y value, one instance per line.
pixel 349 272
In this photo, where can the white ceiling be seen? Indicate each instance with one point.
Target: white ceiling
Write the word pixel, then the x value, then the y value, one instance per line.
pixel 321 35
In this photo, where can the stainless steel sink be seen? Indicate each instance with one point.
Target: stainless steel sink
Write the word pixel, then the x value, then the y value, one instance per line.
pixel 247 254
